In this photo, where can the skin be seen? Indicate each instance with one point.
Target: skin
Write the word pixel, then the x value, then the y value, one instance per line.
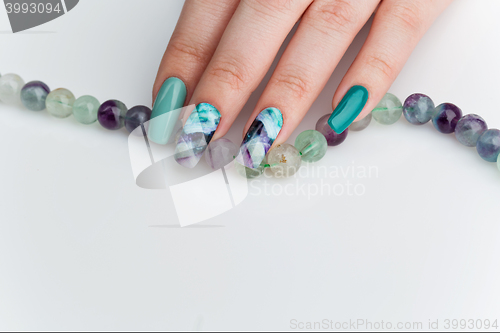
pixel 222 50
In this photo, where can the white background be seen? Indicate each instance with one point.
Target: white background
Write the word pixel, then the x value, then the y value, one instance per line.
pixel 82 247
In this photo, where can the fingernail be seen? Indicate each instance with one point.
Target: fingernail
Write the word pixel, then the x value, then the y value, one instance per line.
pixel 260 137
pixel 166 109
pixel 196 134
pixel 348 109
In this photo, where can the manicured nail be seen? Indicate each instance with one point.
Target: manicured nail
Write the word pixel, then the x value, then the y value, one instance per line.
pixel 196 134
pixel 167 107
pixel 348 109
pixel 260 137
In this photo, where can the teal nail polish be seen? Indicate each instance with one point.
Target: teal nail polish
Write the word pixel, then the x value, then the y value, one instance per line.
pixel 166 109
pixel 348 109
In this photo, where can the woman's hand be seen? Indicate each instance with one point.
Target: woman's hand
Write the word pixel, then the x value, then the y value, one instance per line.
pixel 221 50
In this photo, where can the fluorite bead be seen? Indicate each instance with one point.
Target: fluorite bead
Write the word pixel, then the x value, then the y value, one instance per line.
pixel 111 114
pixel 361 124
pixel 137 116
pixel 388 110
pixel 10 89
pixel 60 102
pixel 85 109
pixel 220 153
pixel 418 109
pixel 284 160
pixel 34 94
pixel 446 117
pixel 498 162
pixel 469 128
pixel 332 138
pixel 488 145
pixel 312 145
pixel 247 172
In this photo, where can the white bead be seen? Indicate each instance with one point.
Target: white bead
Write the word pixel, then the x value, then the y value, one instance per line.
pixel 10 89
pixel 284 160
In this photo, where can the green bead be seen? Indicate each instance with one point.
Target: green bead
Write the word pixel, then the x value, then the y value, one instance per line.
pixel 247 172
pixel 388 110
pixel 85 109
pixel 60 102
pixel 312 145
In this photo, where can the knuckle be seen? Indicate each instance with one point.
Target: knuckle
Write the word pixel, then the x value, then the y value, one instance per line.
pixel 380 64
pixel 183 48
pixel 408 15
pixel 230 71
pixel 294 81
pixel 337 15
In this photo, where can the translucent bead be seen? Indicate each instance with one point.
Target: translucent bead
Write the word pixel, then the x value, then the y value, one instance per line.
pixel 10 89
pixel 446 117
pixel 85 109
pixel 418 109
pixel 137 116
pixel 60 102
pixel 361 124
pixel 220 153
pixel 34 94
pixel 498 162
pixel 111 114
pixel 469 128
pixel 312 145
pixel 332 138
pixel 388 110
pixel 488 145
pixel 247 172
pixel 284 160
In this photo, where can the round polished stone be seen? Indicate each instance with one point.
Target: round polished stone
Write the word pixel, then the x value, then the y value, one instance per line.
pixel 247 172
pixel 220 153
pixel 60 102
pixel 312 145
pixel 418 109
pixel 34 94
pixel 388 110
pixel 361 124
pixel 111 114
pixel 10 89
pixel 498 162
pixel 332 138
pixel 446 117
pixel 85 109
pixel 284 160
pixel 469 128
pixel 137 116
pixel 488 145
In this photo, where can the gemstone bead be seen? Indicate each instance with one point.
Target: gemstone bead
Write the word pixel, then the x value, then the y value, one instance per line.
pixel 220 153
pixel 488 145
pixel 498 163
pixel 10 89
pixel 34 94
pixel 388 110
pixel 111 114
pixel 332 138
pixel 247 172
pixel 60 102
pixel 137 116
pixel 85 109
pixel 284 160
pixel 469 128
pixel 361 124
pixel 312 145
pixel 418 109
pixel 446 117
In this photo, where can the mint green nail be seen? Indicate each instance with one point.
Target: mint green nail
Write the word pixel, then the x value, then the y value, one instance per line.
pixel 166 109
pixel 348 109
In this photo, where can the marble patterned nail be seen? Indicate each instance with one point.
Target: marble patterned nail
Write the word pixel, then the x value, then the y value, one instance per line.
pixel 196 134
pixel 260 137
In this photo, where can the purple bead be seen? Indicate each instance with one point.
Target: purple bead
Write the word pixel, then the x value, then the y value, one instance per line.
pixel 220 153
pixel 34 94
pixel 111 114
pixel 488 145
pixel 418 109
pixel 332 138
pixel 446 117
pixel 137 116
pixel 469 129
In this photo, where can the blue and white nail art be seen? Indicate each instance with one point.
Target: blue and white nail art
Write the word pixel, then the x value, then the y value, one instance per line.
pixel 260 137
pixel 196 134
